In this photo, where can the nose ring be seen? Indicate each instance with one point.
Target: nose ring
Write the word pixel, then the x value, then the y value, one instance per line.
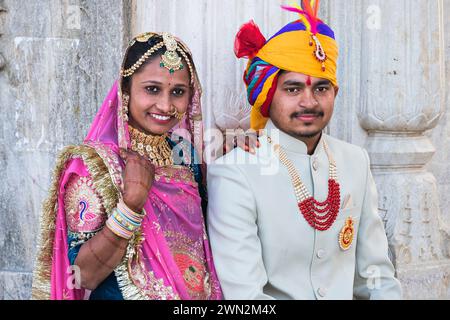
pixel 174 113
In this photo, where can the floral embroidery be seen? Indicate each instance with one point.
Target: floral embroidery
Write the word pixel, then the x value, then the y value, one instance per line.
pixel 189 255
pixel 175 174
pixel 138 283
pixel 193 272
pixel 150 286
pixel 84 209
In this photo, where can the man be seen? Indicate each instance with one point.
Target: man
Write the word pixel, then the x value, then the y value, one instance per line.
pixel 311 229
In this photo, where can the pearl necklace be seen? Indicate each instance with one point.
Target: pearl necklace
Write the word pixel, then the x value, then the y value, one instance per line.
pixel 319 215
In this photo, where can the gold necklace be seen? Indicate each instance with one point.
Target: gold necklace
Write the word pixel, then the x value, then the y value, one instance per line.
pixel 155 148
pixel 319 215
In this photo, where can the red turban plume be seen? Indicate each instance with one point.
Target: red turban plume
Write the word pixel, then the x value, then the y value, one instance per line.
pixel 249 41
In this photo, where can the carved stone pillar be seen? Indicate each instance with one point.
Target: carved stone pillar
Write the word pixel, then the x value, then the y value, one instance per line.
pixel 402 98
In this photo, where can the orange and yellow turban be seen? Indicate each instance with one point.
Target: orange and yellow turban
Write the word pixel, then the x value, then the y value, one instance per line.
pixel 305 46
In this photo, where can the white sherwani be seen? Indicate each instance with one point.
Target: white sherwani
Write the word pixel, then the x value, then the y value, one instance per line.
pixel 263 248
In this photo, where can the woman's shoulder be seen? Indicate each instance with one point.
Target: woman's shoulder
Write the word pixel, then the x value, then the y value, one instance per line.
pixel 90 158
pixel 80 187
pixel 74 160
pixel 85 169
pixel 83 203
pixel 91 152
pixel 74 170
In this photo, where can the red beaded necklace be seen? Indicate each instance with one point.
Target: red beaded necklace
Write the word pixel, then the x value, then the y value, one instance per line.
pixel 319 215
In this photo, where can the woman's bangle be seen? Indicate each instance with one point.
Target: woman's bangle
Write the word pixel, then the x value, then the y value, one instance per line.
pixel 124 222
pixel 116 228
pixel 112 241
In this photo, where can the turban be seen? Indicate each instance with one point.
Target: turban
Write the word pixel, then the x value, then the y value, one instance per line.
pixel 304 46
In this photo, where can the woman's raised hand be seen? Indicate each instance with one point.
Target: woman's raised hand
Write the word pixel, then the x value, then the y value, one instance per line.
pixel 138 179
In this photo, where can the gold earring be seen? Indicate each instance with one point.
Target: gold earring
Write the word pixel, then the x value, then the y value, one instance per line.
pixel 125 102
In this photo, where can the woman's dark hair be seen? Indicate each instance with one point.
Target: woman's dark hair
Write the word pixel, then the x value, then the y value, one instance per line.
pixel 137 50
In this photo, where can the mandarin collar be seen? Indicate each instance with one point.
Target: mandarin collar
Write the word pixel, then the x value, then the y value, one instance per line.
pixel 290 143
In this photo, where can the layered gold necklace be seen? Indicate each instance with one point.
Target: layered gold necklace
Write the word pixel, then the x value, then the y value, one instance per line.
pixel 154 147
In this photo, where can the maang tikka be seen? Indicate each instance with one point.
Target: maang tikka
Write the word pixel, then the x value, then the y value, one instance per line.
pixel 170 59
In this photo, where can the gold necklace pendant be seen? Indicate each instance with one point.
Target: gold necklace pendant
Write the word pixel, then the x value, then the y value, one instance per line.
pixel 155 148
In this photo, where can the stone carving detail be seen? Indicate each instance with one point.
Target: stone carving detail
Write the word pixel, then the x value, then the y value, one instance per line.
pixel 234 114
pixel 399 105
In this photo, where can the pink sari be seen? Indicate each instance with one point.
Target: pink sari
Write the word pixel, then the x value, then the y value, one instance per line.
pixel 170 258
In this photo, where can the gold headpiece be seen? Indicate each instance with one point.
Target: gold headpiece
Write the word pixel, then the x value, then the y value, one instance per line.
pixel 170 59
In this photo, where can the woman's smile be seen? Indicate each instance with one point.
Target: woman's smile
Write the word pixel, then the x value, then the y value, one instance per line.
pixel 159 118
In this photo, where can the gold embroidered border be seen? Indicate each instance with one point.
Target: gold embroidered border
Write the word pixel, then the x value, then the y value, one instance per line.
pixel 106 176
pixel 129 290
pixel 155 289
pixel 102 183
pixel 175 173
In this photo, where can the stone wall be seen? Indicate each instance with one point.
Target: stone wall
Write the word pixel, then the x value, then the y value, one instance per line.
pixel 61 57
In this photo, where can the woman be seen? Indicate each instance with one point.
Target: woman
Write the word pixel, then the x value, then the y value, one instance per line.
pixel 123 219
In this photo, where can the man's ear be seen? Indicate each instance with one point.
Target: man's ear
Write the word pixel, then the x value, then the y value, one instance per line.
pixel 336 91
